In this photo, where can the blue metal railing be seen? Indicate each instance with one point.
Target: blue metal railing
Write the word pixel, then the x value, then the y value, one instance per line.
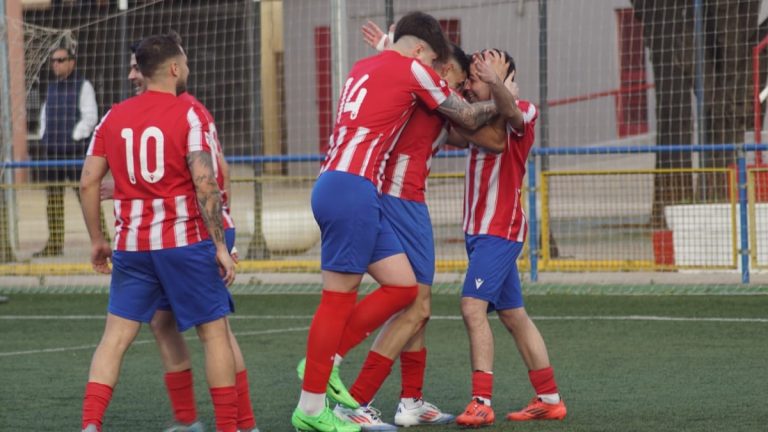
pixel 741 149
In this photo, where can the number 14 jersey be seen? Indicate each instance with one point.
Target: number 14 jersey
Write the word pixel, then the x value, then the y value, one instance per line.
pixel 146 140
pixel 376 102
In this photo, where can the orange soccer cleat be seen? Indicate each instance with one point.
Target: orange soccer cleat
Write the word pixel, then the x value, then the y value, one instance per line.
pixel 538 410
pixel 476 414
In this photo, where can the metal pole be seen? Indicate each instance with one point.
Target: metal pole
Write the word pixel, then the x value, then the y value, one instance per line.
pixel 257 249
pixel 698 30
pixel 7 220
pixel 543 84
pixel 339 67
pixel 744 235
pixel 389 11
pixel 533 224
pixel 122 6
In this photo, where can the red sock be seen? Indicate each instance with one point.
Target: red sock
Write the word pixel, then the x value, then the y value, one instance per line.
pixel 412 365
pixel 181 392
pixel 95 402
pixel 543 380
pixel 482 384
pixel 375 370
pixel 324 336
pixel 245 419
pixel 225 408
pixel 373 311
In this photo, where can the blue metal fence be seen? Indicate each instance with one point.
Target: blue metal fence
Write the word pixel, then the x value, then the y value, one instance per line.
pixel 741 149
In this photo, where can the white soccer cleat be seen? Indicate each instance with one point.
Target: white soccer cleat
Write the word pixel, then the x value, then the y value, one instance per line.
pixel 424 414
pixel 194 427
pixel 367 417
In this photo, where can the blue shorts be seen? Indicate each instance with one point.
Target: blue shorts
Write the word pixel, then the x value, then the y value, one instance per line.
pixel 187 276
pixel 413 227
pixel 353 231
pixel 229 237
pixel 492 273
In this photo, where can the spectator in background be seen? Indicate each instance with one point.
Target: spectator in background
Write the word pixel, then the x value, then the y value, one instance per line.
pixel 67 120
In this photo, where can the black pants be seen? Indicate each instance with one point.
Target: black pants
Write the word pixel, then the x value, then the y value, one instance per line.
pixel 55 214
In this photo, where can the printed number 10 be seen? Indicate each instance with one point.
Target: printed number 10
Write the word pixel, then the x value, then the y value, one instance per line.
pixel 156 135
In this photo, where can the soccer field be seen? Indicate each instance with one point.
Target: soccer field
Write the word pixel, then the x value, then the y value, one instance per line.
pixel 629 363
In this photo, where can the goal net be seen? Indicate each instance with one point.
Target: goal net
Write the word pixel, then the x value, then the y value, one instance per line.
pixel 614 79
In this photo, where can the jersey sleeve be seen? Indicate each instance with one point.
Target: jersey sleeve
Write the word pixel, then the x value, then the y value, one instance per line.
pixel 530 115
pixel 427 85
pixel 97 147
pixel 197 132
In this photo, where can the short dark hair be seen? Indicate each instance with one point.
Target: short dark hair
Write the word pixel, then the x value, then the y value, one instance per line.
pixel 426 28
pixel 507 59
pixel 461 58
pixel 156 50
pixel 135 46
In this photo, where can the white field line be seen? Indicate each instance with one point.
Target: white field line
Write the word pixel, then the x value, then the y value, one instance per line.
pixel 297 329
pixel 146 341
pixel 434 317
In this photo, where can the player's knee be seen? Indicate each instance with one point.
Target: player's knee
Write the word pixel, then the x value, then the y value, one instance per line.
pixel 116 342
pixel 514 319
pixel 162 323
pixel 402 296
pixel 472 312
pixel 423 308
pixel 214 331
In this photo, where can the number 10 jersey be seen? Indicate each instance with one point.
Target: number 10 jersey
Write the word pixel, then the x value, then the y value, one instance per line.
pixel 376 102
pixel 146 140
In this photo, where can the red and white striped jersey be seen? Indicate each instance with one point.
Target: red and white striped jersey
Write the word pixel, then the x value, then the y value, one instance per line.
pixel 378 98
pixel 212 136
pixel 493 183
pixel 408 165
pixel 145 140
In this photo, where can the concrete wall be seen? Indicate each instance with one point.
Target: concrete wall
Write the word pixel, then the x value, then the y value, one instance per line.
pixel 583 56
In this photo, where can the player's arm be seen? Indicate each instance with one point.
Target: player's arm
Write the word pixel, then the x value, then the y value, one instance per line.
pixel 94 170
pixel 491 137
pixel 456 139
pixel 200 165
pixel 464 114
pixel 374 36
pixel 224 167
pixel 491 69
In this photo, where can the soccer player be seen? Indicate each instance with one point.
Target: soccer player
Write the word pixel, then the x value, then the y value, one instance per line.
pixel 173 349
pixel 403 204
pixel 169 234
pixel 377 100
pixel 495 229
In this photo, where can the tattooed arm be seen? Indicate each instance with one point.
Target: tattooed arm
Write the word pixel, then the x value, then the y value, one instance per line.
pixel 200 165
pixel 94 170
pixel 467 115
pixel 491 137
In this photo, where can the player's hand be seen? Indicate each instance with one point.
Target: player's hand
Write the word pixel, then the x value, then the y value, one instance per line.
pixel 101 255
pixel 490 66
pixel 375 36
pixel 226 265
pixel 80 132
pixel 107 189
pixel 235 255
pixel 511 85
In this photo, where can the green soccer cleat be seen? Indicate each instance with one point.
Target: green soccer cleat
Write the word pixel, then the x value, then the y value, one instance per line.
pixel 336 390
pixel 326 421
